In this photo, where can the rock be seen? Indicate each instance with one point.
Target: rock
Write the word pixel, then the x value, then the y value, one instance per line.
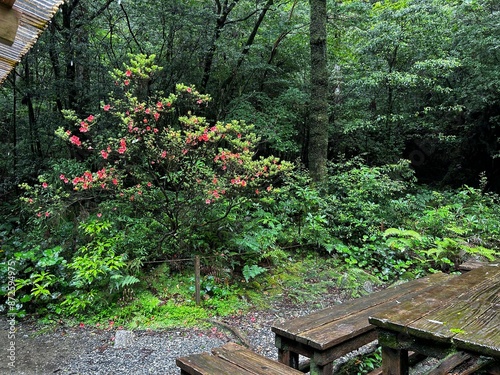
pixel 123 338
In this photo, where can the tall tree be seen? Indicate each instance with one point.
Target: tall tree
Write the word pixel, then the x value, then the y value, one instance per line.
pixel 318 118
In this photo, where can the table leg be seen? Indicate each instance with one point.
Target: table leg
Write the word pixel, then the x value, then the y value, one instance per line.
pixel 321 370
pixel 289 358
pixel 394 361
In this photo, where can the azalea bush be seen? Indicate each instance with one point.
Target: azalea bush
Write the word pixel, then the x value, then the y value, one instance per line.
pixel 151 179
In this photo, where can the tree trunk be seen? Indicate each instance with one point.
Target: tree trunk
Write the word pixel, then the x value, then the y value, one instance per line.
pixel 318 118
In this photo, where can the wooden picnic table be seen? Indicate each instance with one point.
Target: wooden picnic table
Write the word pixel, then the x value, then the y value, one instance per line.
pixel 328 334
pixel 461 314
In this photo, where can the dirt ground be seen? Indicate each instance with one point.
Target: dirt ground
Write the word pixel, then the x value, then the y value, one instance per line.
pixel 41 352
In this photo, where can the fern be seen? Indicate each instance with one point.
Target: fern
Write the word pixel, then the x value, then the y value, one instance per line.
pixel 120 281
pixel 249 272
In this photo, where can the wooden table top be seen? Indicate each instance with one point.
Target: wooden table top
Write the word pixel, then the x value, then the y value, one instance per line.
pixel 334 325
pixel 462 312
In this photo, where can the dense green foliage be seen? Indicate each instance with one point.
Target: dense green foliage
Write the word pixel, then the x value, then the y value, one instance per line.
pixel 135 139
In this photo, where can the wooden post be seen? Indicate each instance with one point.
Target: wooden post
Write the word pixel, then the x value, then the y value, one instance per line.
pixel 394 361
pixel 197 283
pixel 9 22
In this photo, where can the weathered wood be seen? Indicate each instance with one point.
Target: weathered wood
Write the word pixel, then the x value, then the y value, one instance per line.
pixel 461 315
pixel 471 265
pixel 8 3
pixel 253 362
pixel 206 364
pixel 394 361
pixel 232 359
pixel 423 305
pixel 449 363
pixel 9 22
pixel 336 324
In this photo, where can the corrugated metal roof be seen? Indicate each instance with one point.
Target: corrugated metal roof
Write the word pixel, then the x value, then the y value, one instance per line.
pixel 34 16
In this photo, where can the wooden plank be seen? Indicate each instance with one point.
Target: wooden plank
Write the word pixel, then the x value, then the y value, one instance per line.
pixel 471 265
pixel 356 323
pixel 398 317
pixel 9 22
pixel 482 334
pixel 296 327
pixel 471 318
pixel 252 362
pixel 206 364
pixel 449 363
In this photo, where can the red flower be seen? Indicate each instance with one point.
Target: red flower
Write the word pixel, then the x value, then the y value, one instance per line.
pixel 90 118
pixel 123 146
pixel 75 140
pixel 45 185
pixel 106 107
pixel 84 127
pixel 128 73
pixel 126 82
pixel 104 154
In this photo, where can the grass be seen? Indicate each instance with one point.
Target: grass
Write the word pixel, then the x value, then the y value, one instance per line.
pixel 165 299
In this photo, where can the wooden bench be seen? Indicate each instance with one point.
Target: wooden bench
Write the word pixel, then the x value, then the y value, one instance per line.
pixel 232 359
pixel 329 334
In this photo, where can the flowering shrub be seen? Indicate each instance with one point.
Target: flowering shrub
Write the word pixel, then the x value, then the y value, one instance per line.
pixel 156 159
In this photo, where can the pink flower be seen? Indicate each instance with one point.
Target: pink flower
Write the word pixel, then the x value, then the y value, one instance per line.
pixel 47 214
pixel 123 146
pixel 75 140
pixel 208 201
pixel 128 73
pixel 189 89
pixel 149 184
pixel 156 116
pixel 126 82
pixel 68 132
pixel 159 105
pixel 106 107
pixel 45 185
pixel 114 181
pixel 90 118
pixel 84 127
pixel 104 154
pixel 62 177
pixel 163 154
pixel 99 214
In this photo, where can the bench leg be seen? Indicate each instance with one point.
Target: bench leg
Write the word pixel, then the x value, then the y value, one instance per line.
pixel 321 370
pixel 289 358
pixel 394 361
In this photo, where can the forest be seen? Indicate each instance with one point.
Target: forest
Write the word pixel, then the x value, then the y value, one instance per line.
pixel 268 137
